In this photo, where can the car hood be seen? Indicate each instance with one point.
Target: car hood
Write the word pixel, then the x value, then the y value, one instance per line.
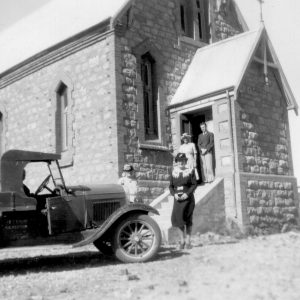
pixel 106 191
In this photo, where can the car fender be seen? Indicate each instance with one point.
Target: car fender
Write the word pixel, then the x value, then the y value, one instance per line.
pixel 113 218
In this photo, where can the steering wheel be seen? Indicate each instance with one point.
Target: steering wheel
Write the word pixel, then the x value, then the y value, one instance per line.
pixel 43 185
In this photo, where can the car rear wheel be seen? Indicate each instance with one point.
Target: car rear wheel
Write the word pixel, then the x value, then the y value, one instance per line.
pixel 136 239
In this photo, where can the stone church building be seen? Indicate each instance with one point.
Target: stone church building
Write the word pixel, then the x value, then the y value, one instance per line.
pixel 106 83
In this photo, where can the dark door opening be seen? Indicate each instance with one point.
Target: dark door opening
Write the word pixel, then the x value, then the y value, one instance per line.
pixel 190 123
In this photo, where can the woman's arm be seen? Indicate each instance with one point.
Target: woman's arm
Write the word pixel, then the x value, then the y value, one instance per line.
pixel 211 142
pixel 193 185
pixel 171 186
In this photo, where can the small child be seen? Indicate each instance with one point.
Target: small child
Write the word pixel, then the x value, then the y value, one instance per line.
pixel 129 183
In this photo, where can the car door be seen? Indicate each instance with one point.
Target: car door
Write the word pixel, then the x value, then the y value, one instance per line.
pixel 66 213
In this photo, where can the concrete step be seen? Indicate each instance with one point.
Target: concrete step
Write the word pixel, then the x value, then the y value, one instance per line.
pixel 203 189
pixel 164 205
pixel 167 206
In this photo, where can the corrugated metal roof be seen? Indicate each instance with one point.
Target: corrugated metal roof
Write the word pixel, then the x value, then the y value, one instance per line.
pixel 51 24
pixel 216 67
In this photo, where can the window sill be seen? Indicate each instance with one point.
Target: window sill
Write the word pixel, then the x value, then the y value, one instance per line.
pixel 154 147
pixel 190 41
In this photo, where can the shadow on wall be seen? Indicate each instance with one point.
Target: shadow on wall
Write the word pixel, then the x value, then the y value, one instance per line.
pixel 209 213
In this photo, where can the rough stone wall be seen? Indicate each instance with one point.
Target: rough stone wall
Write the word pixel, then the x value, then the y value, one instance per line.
pixel 30 113
pixel 102 143
pixel 271 205
pixel 209 214
pixel 264 125
pixel 155 27
pixel 269 197
pixel 225 22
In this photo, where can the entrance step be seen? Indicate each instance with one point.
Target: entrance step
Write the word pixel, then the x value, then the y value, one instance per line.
pixel 207 198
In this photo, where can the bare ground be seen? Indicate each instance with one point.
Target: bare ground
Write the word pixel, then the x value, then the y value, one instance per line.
pixel 265 267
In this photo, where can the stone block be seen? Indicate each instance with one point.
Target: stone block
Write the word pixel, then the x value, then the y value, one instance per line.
pixel 129 158
pixel 131 97
pixel 281 171
pixel 129 73
pixel 128 89
pixel 279 201
pixel 144 190
pixel 253 202
pixel 289 202
pixel 254 169
pixel 156 191
pixel 129 81
pixel 254 220
pixel 277 211
pixel 251 210
pixel 262 202
pixel 290 218
pixel 253 184
pixel 288 186
pixel 250 160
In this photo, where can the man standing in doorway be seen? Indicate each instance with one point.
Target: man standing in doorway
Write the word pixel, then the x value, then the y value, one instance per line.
pixel 206 145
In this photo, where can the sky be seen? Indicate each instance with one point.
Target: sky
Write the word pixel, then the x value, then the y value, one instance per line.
pixel 281 19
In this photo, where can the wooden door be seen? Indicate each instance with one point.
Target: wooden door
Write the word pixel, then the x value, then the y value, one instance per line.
pixel 223 137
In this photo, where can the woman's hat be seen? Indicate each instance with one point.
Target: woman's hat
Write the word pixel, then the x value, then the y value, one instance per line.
pixel 180 157
pixel 185 136
pixel 127 168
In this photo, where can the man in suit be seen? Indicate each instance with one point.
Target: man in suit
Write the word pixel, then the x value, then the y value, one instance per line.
pixel 206 145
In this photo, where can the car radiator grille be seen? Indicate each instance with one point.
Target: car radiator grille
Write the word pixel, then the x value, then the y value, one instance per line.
pixel 102 210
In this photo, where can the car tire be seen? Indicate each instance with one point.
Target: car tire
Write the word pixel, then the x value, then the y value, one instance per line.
pixel 137 239
pixel 104 246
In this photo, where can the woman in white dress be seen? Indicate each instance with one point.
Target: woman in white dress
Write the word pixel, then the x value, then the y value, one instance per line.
pixel 189 149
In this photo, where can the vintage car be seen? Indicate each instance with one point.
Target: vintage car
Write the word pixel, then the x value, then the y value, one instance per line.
pixel 58 213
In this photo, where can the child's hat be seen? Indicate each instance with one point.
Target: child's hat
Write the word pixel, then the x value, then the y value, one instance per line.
pixel 127 168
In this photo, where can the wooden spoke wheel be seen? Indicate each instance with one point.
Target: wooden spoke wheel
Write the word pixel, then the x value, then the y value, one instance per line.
pixel 137 239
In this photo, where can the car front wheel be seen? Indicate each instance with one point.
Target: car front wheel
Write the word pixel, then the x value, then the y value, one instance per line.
pixel 137 239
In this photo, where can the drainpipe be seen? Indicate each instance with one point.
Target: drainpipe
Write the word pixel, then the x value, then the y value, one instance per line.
pixel 231 110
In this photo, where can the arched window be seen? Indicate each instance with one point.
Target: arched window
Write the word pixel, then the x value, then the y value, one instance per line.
pixel 61 118
pixel 150 95
pixel 62 99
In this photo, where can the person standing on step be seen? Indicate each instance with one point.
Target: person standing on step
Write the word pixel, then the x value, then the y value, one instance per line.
pixel 182 186
pixel 189 149
pixel 206 145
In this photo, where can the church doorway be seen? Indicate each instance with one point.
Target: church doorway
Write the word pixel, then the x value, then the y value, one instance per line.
pixel 190 123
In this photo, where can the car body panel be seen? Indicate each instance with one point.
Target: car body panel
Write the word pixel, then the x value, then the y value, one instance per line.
pixel 66 213
pixel 12 201
pixel 117 215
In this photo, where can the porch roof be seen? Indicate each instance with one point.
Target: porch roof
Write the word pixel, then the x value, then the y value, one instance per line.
pixel 222 65
pixel 51 24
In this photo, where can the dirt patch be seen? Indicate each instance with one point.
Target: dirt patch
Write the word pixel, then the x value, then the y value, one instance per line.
pixel 217 267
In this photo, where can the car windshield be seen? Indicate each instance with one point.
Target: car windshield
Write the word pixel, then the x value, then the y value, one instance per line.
pixel 56 174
